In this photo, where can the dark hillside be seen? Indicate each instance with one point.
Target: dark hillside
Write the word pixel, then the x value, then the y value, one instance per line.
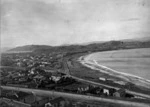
pixel 30 48
pixel 111 45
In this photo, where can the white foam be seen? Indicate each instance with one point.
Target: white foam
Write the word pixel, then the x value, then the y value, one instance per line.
pixel 93 63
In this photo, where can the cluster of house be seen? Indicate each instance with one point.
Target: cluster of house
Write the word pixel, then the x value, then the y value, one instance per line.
pixel 101 91
pixel 50 79
pixel 49 63
pixel 22 99
pixel 37 78
pixel 40 60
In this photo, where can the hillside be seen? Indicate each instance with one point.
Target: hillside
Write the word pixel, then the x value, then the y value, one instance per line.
pixel 111 45
pixel 29 48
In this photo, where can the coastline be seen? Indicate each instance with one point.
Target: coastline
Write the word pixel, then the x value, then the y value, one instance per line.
pixel 93 64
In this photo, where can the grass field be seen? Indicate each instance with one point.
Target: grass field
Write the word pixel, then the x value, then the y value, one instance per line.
pixel 132 61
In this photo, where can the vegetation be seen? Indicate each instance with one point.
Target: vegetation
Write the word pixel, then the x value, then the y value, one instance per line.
pixel 62 59
pixel 111 45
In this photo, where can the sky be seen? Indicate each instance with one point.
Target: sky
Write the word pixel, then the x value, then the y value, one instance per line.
pixel 58 22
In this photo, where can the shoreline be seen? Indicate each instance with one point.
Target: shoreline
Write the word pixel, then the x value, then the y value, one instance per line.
pixel 93 64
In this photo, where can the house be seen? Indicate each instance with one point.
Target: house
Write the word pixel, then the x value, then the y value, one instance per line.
pixel 79 104
pixel 58 102
pixel 106 91
pixel 129 95
pixel 119 93
pixel 102 79
pixel 40 102
pixel 48 104
pixel 14 75
pixel 55 79
pixel 14 95
pixel 112 91
pixel 30 99
pixel 33 100
pixel 22 79
pixel 19 64
pixel 13 103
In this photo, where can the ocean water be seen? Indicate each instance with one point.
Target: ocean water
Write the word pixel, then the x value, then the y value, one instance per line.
pixel 131 61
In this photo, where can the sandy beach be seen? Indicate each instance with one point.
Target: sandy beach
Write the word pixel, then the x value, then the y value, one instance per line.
pixel 93 64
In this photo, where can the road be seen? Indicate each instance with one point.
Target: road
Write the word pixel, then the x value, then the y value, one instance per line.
pixel 67 71
pixel 76 96
pixel 100 84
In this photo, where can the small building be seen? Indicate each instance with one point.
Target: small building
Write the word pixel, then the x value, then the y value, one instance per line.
pixel 35 101
pixel 112 91
pixel 102 79
pixel 106 91
pixel 40 102
pixel 119 93
pixel 129 95
pixel 48 104
pixel 29 99
pixel 14 103
pixel 57 102
pixel 55 79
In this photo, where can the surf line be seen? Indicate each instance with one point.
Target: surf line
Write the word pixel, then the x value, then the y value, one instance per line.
pixel 126 74
pixel 91 64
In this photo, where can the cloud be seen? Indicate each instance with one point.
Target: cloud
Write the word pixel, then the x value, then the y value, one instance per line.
pixel 131 19
pixel 56 22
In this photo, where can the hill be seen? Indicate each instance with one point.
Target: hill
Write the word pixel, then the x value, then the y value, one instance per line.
pixel 102 46
pixel 29 48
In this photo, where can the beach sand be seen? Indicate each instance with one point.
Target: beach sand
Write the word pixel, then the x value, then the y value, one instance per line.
pixel 90 62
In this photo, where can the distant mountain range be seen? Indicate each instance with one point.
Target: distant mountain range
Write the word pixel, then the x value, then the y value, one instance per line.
pixel 143 39
pixel 29 48
pixel 93 46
